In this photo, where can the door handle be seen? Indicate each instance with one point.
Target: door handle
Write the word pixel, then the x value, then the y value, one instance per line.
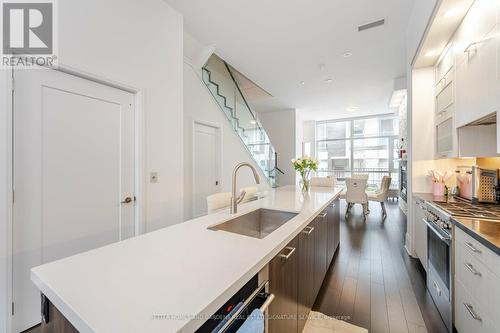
pixel 473 313
pixel 287 256
pixel 472 247
pixel 472 269
pixel 308 230
pixel 127 200
pixel 322 215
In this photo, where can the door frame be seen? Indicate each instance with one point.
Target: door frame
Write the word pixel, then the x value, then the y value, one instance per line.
pixel 219 146
pixel 139 164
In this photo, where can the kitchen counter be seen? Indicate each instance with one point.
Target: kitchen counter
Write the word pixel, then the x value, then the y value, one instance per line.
pixel 172 279
pixel 486 232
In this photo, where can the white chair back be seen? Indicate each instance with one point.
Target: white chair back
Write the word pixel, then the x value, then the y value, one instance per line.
pixel 386 183
pixel 218 201
pixel 384 187
pixel 356 190
pixel 323 181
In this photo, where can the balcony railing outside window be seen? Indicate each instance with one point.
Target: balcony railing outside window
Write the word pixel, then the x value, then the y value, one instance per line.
pixel 359 146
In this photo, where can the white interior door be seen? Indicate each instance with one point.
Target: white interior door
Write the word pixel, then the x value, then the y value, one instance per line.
pixel 73 167
pixel 206 166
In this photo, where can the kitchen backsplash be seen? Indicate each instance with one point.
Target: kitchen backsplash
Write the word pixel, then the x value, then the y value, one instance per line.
pixel 422 183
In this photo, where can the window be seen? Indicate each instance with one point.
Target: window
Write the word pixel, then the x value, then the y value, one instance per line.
pixel 368 145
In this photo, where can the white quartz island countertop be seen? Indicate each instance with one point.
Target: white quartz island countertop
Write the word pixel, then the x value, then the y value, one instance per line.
pixel 183 273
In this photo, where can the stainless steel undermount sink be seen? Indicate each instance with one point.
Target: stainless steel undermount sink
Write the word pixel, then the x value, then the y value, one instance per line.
pixel 257 224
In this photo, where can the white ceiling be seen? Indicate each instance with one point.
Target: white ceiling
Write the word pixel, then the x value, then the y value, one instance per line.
pixel 279 43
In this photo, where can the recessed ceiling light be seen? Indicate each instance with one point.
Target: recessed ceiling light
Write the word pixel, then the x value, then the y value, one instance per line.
pixel 253 122
pixel 352 109
pixel 347 54
pixel 302 83
pixel 329 80
pixel 431 53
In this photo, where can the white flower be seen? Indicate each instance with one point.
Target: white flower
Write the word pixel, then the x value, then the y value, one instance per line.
pixel 294 160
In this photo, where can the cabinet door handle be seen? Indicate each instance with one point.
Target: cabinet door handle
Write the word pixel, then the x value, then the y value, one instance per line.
pixel 472 312
pixel 287 256
pixel 472 269
pixel 472 247
pixel 322 215
pixel 468 48
pixel 308 230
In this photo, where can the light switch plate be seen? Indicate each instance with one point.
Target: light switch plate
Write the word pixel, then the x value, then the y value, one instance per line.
pixel 153 177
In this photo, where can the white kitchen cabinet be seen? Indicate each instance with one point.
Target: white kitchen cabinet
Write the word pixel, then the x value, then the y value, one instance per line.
pixel 420 232
pixel 445 129
pixel 477 286
pixel 475 48
pixel 444 98
pixel 446 138
pixel 444 66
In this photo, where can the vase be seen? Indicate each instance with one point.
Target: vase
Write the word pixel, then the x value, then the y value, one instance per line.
pixel 438 189
pixel 305 183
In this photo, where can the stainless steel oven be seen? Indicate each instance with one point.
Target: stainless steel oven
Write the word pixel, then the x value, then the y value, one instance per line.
pixel 439 261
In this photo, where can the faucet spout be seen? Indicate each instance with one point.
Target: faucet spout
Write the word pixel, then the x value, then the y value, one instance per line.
pixel 235 200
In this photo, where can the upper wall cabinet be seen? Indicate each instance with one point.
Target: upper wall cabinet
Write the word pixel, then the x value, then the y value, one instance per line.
pixel 446 134
pixel 475 48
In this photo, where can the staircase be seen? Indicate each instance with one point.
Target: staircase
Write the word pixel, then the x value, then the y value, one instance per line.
pixel 219 78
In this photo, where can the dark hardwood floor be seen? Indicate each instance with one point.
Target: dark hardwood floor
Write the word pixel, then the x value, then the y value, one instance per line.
pixel 372 282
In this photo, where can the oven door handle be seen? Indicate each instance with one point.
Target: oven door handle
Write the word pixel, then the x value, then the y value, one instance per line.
pixel 441 237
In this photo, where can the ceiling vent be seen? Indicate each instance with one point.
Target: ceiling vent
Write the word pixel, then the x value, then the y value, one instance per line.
pixel 371 25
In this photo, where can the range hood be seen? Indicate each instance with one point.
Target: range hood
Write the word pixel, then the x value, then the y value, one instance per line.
pixel 486 120
pixel 479 137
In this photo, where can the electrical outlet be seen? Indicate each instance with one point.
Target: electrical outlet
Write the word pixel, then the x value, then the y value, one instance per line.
pixel 153 177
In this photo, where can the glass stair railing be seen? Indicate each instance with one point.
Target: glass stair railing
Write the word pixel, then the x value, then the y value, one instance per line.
pixel 220 81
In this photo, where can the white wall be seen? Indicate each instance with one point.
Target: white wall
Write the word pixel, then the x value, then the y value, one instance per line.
pixel 420 16
pixel 422 118
pixel 281 129
pixel 137 43
pixel 4 291
pixel 199 105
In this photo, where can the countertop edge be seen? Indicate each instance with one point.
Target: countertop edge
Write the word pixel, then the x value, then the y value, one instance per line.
pixel 69 313
pixel 476 236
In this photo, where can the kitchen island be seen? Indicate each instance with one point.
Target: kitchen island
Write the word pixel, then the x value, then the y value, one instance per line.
pixel 172 279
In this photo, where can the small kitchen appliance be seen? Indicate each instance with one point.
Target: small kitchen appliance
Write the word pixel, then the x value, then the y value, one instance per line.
pixel 477 184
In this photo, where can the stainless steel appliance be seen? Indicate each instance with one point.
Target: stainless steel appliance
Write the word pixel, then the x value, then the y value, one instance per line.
pixel 482 211
pixel 230 316
pixel 439 260
pixel 403 184
pixel 476 184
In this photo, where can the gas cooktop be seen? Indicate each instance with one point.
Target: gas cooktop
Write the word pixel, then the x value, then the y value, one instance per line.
pixel 468 210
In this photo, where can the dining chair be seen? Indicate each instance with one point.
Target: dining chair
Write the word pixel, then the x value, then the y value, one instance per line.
pixel 381 194
pixel 356 194
pixel 218 201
